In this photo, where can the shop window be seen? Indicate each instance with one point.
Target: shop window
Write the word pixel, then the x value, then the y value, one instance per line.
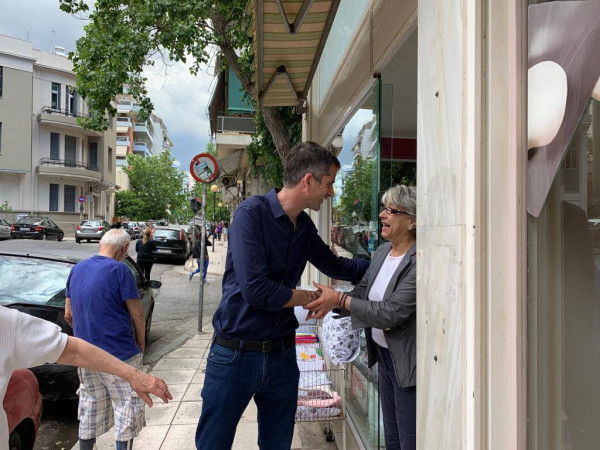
pixel 564 299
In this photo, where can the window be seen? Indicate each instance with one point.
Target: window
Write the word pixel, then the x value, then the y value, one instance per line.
pixel 53 197
pixel 71 101
pixel 69 198
pixel 54 145
pixel 93 155
pixel 55 96
pixel 110 159
pixel 70 151
pixel 1 78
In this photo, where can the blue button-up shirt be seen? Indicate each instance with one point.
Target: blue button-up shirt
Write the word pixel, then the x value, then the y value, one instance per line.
pixel 265 259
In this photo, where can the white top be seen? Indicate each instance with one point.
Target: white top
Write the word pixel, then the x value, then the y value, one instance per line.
pixel 25 341
pixel 378 288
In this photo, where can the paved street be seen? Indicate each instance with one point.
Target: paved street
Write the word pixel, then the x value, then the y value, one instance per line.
pixel 174 321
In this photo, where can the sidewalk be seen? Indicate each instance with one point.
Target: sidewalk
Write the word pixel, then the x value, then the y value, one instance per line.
pixel 173 426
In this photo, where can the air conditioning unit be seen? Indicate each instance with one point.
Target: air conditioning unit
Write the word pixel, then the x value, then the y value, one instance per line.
pixel 227 181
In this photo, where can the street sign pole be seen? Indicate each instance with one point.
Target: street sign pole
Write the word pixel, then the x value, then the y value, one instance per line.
pixel 202 251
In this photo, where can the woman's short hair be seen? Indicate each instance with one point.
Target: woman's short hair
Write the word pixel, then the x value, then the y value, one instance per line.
pixel 403 196
pixel 307 157
pixel 117 238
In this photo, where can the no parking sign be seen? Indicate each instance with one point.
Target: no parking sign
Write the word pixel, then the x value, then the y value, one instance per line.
pixel 204 168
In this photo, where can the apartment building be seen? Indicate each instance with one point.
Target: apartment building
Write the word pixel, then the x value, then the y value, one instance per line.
pixel 135 136
pixel 47 160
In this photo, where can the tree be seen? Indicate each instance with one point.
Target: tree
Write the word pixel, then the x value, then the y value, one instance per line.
pixel 157 184
pixel 129 205
pixel 358 188
pixel 5 209
pixel 124 36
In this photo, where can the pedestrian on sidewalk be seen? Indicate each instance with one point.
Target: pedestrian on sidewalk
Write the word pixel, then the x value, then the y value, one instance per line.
pixel 26 341
pixel 225 231
pixel 103 307
pixel 385 304
pixel 219 230
pixel 145 248
pixel 253 352
pixel 196 252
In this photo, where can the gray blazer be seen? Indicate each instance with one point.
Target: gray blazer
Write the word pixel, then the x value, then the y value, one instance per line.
pixel 396 314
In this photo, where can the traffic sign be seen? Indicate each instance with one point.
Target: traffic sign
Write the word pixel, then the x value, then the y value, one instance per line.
pixel 81 199
pixel 89 198
pixel 204 168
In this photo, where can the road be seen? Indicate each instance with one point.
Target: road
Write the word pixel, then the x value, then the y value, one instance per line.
pixel 174 320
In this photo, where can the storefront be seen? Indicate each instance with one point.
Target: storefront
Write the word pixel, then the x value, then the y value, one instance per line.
pixel 508 213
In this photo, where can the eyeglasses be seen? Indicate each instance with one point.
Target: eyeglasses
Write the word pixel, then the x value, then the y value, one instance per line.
pixel 392 211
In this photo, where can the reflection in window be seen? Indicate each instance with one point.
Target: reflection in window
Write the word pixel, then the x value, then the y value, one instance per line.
pixel 564 300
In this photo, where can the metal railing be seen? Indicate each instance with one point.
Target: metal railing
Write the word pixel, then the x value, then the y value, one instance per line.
pixel 239 124
pixel 63 112
pixel 67 163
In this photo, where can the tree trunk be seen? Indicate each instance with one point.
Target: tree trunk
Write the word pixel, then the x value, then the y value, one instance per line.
pixel 279 134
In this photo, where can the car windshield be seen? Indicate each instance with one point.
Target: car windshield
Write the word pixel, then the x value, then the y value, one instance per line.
pixel 169 234
pixel 29 221
pixel 34 281
pixel 91 223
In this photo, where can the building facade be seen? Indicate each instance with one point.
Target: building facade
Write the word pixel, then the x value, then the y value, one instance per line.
pixel 48 161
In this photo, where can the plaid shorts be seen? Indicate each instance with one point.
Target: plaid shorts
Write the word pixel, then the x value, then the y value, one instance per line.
pixel 106 400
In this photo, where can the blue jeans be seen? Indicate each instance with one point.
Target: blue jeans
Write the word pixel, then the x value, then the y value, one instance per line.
pixel 233 378
pixel 205 268
pixel 399 407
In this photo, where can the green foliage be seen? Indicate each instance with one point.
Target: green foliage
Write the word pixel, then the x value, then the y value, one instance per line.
pixel 397 172
pixel 129 205
pixel 124 36
pixel 4 208
pixel 156 184
pixel 356 196
pixel 262 153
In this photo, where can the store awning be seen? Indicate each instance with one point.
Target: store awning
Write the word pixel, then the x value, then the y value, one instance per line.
pixel 288 38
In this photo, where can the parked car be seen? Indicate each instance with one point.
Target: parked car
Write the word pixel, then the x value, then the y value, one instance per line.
pixel 91 230
pixel 36 228
pixel 132 228
pixel 171 243
pixel 4 229
pixel 34 283
pixel 23 407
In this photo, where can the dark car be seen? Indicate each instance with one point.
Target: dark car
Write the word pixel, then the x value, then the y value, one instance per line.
pixel 135 228
pixel 130 229
pixel 171 243
pixel 35 282
pixel 23 407
pixel 91 230
pixel 36 228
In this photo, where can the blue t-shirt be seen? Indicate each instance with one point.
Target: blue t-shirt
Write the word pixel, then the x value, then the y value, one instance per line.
pixel 98 288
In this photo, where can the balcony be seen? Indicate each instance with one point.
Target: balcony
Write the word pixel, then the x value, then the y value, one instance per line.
pixel 68 169
pixel 142 130
pixel 235 124
pixel 125 106
pixel 141 148
pixel 123 141
pixel 123 124
pixel 63 119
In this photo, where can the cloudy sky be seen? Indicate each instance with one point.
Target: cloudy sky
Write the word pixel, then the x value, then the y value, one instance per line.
pixel 179 98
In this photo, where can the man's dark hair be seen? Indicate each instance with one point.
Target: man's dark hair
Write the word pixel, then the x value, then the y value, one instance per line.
pixel 307 157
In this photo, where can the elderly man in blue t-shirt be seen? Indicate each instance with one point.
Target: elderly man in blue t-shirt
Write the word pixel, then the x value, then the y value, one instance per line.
pixel 104 308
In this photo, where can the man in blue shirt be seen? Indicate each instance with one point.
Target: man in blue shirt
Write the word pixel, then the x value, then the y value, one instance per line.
pixel 104 308
pixel 253 353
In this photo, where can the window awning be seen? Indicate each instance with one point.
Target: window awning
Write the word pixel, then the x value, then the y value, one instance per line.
pixel 288 39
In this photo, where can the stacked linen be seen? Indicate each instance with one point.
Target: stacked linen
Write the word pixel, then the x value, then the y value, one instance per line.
pixel 316 398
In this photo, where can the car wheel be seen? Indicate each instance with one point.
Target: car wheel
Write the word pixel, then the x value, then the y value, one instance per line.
pixel 60 236
pixel 148 326
pixel 78 240
pixel 88 241
pixel 14 441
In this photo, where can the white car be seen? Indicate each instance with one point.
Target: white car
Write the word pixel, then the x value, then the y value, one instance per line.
pixel 4 229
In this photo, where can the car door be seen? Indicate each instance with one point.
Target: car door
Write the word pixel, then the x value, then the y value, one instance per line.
pixel 146 294
pixel 4 229
pixel 50 231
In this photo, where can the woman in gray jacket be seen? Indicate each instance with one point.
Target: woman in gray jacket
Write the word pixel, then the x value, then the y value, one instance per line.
pixel 385 304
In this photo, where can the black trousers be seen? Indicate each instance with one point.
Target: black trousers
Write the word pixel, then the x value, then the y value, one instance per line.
pixel 146 267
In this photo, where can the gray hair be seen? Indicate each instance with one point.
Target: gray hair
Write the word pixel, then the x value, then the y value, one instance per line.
pixel 117 238
pixel 402 196
pixel 307 157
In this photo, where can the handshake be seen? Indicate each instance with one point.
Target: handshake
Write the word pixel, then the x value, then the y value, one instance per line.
pixel 324 299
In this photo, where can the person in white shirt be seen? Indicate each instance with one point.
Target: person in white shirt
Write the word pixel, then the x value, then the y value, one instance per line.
pixel 26 341
pixel 385 304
